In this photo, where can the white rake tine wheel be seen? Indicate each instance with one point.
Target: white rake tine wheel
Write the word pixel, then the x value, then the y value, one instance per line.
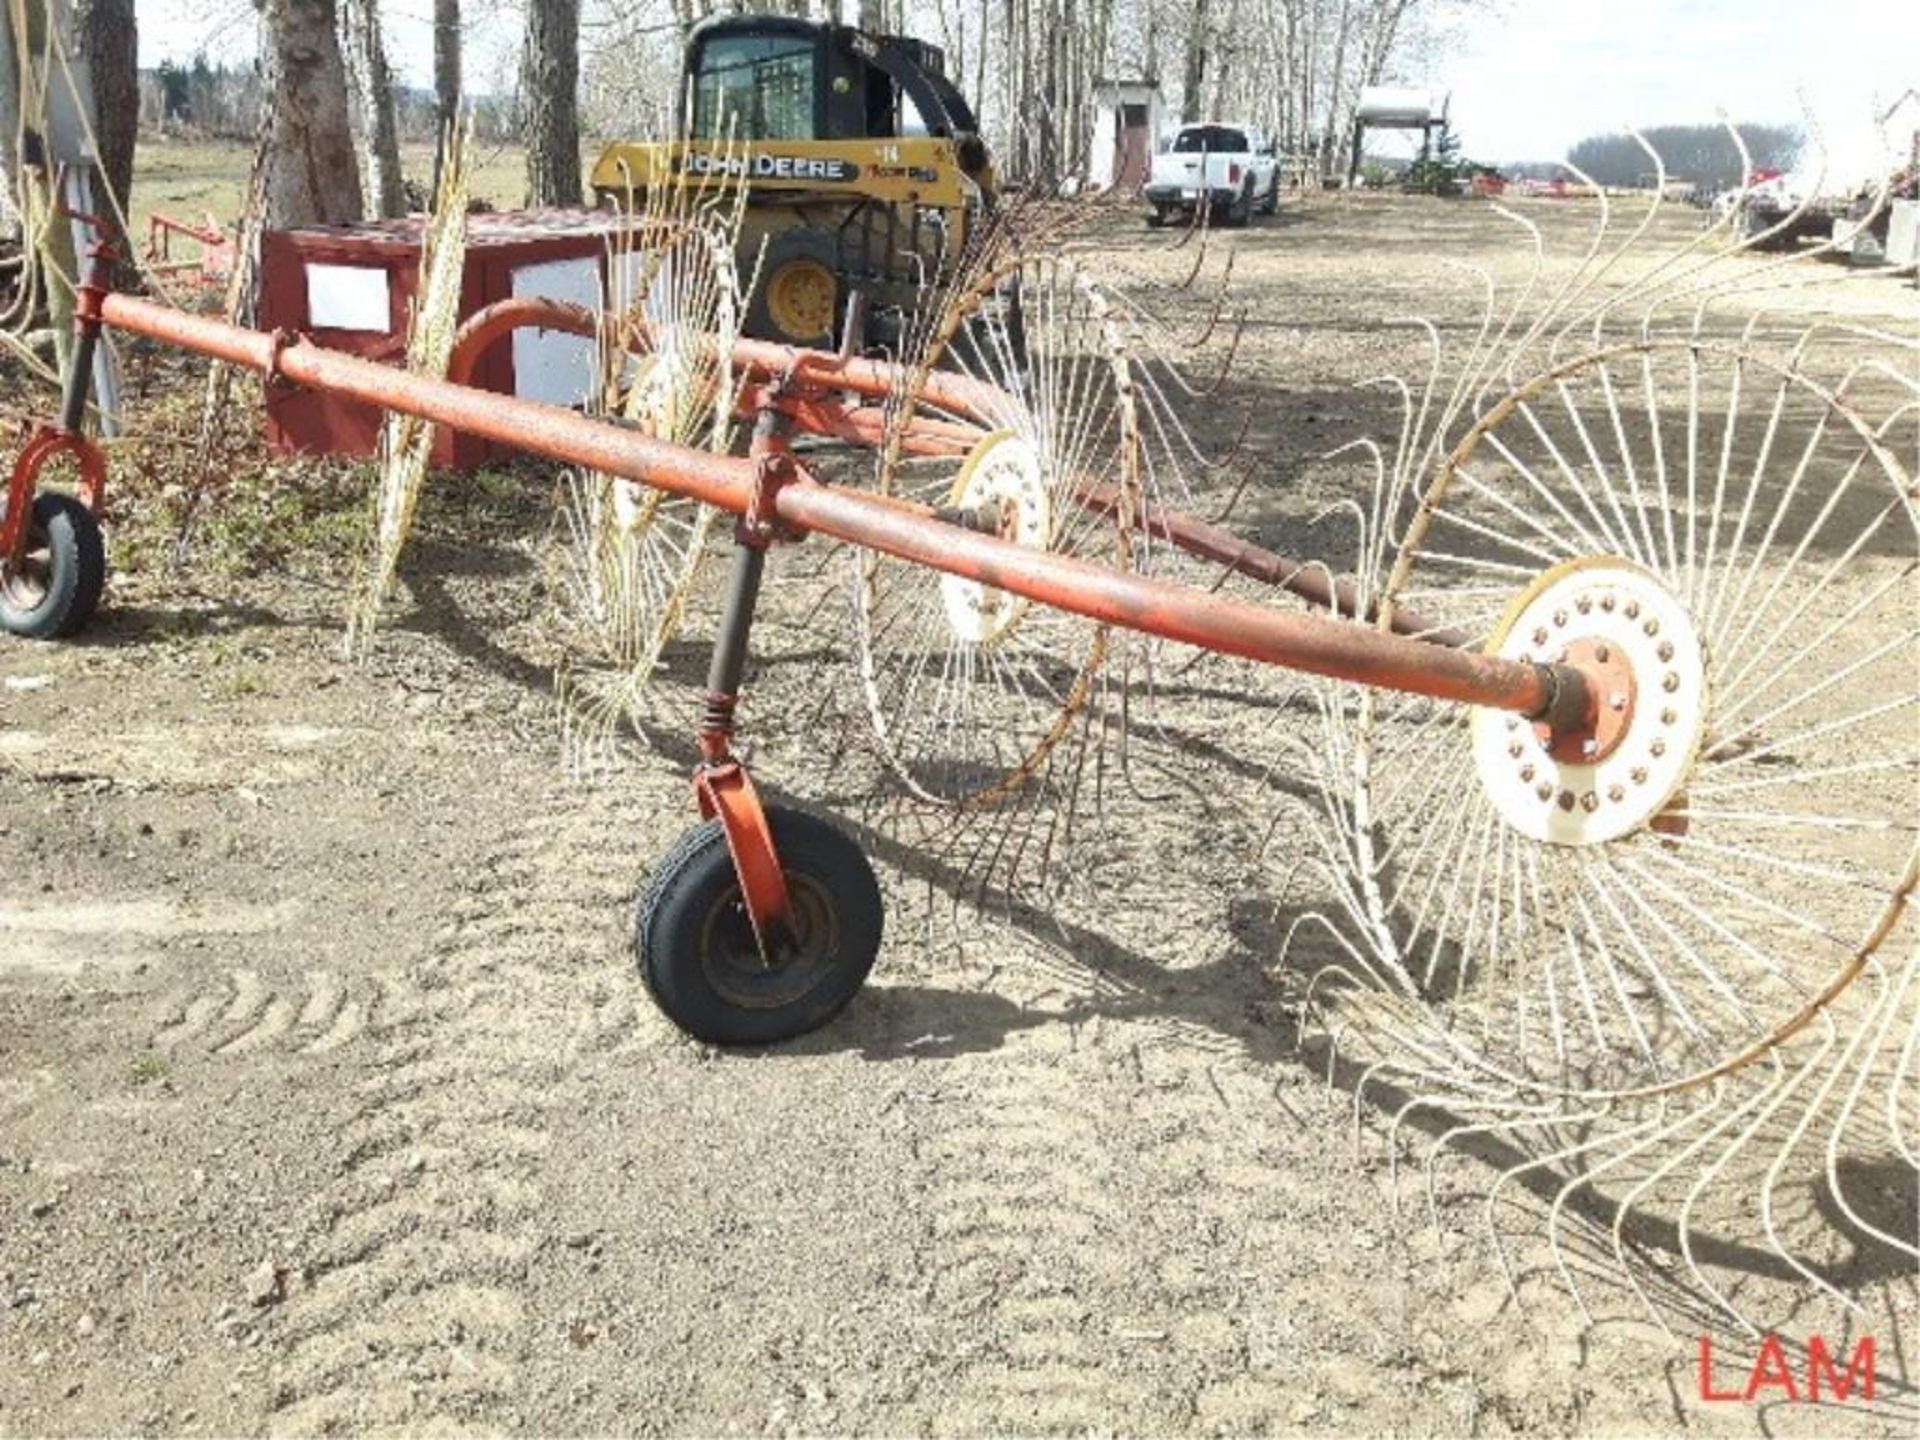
pixel 971 691
pixel 1697 887
pixel 635 553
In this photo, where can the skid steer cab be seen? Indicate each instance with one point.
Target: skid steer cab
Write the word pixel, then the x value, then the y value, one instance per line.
pixel 863 165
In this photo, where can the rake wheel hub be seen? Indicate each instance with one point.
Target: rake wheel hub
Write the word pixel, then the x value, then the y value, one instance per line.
pixel 1003 471
pixel 1635 644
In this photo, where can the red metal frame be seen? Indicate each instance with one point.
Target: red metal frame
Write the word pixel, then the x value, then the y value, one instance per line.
pixel 776 498
pixel 43 445
pixel 219 251
pixel 1136 602
pixel 64 437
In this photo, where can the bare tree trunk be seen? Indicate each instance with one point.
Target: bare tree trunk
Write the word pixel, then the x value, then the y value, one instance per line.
pixel 979 94
pixel 372 85
pixel 550 89
pixel 1331 133
pixel 446 79
pixel 313 176
pixel 1196 69
pixel 108 43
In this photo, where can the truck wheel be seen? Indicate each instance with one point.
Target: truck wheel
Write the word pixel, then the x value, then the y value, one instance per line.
pixel 1240 213
pixel 55 590
pixel 695 943
pixel 1156 217
pixel 1272 204
pixel 797 301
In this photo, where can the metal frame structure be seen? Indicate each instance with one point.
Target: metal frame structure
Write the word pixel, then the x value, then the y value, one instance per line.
pixel 778 499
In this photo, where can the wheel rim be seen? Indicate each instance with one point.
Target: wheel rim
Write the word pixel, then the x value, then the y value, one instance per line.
pixel 730 955
pixel 801 297
pixel 27 585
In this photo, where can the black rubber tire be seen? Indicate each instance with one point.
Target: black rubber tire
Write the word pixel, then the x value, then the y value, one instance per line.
pixel 76 571
pixel 695 945
pixel 1156 217
pixel 1271 205
pixel 782 249
pixel 1240 214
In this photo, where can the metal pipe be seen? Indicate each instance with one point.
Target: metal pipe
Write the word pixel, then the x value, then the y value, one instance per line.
pixel 728 663
pixel 1157 607
pixel 1313 583
pixel 1178 612
pixel 517 312
pixel 76 384
pixel 723 481
pixel 791 379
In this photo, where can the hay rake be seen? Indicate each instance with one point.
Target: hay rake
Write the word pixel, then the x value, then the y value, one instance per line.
pixel 1594 684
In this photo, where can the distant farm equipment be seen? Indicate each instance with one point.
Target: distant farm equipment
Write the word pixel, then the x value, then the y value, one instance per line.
pixel 219 251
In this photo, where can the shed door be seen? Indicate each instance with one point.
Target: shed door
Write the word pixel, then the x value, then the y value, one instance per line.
pixel 1130 166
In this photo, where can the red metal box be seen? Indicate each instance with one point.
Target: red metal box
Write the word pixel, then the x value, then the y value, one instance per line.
pixel 352 287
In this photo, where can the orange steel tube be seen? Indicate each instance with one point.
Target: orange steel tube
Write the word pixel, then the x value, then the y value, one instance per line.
pixel 1311 583
pixel 807 375
pixel 517 312
pixel 1175 612
pixel 821 369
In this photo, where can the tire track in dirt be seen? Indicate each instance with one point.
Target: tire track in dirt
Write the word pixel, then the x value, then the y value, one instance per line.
pixel 238 1013
pixel 411 1315
pixel 1114 1224
pixel 1023 1216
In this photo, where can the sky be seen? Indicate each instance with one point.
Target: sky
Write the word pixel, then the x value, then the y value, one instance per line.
pixel 1531 80
pixel 1528 77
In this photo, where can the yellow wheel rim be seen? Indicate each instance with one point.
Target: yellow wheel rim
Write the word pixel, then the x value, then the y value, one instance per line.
pixel 801 296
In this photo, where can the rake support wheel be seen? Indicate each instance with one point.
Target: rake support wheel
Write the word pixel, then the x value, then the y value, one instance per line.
pixel 57 587
pixel 695 943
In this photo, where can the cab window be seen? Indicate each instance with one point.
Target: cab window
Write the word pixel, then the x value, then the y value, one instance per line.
pixel 755 87
pixel 1215 139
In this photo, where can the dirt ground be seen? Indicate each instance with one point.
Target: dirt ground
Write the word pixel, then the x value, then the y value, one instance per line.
pixel 331 1101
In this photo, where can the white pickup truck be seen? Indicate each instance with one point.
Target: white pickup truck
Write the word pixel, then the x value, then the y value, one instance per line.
pixel 1227 170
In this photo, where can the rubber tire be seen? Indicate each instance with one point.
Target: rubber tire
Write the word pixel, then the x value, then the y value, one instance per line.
pixel 1271 205
pixel 671 923
pixel 782 249
pixel 1156 217
pixel 1240 215
pixel 78 557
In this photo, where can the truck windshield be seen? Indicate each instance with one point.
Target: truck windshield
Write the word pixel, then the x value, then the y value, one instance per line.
pixel 754 87
pixel 1216 139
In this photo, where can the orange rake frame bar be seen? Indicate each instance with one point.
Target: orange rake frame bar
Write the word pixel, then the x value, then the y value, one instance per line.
pixel 1555 693
pixel 811 388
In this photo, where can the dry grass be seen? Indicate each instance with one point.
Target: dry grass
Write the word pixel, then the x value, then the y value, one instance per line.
pixel 187 178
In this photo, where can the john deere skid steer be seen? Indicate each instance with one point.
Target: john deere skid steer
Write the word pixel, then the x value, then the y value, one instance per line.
pixel 863 163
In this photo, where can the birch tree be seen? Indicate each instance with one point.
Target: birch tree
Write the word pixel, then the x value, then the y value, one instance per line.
pixel 372 83
pixel 549 87
pixel 312 174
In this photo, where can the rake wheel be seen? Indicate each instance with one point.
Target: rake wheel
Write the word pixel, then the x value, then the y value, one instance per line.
pixel 635 553
pixel 969 690
pixel 1730 550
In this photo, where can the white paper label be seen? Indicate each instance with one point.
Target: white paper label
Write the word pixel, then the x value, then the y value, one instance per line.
pixel 348 297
